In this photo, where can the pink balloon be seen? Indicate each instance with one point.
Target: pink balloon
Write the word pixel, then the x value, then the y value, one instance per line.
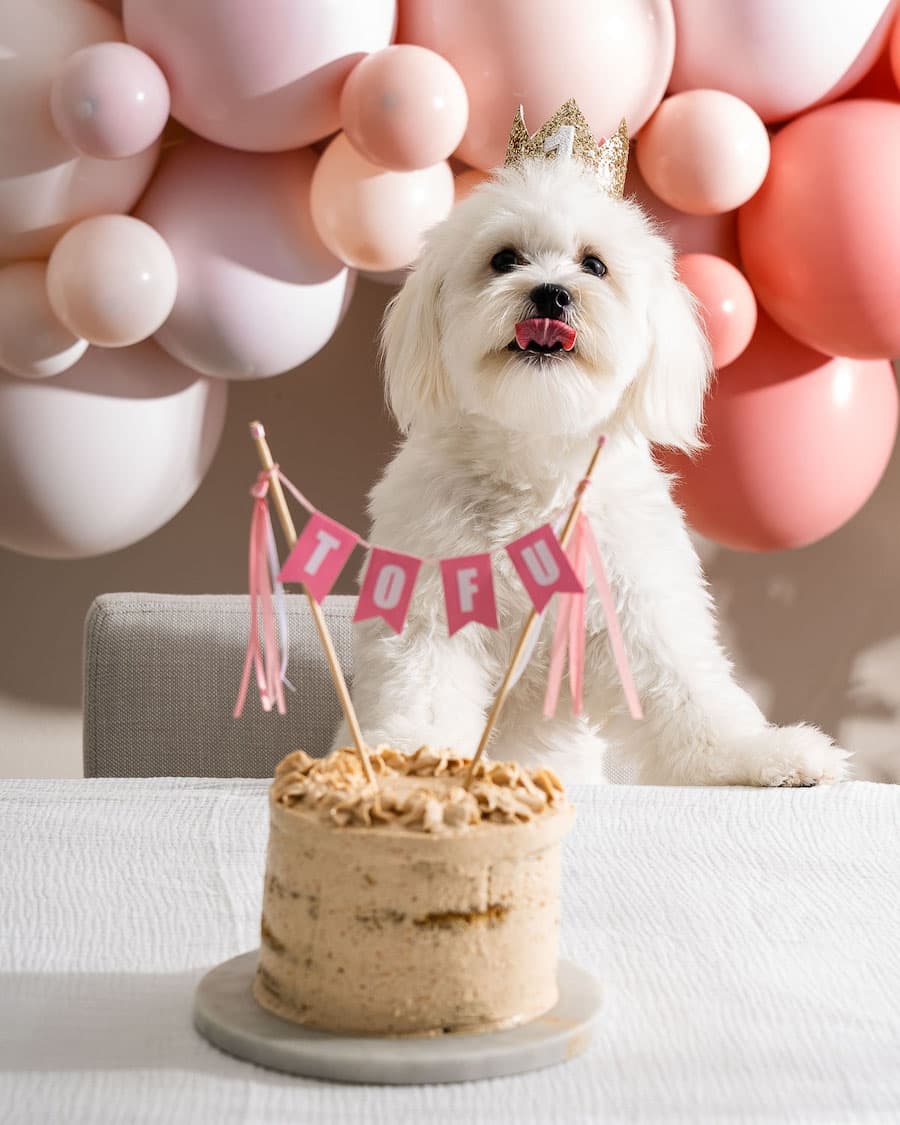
pixel 689 234
pixel 465 182
pixel 44 185
pixel 779 56
pixel 727 304
pixel 373 219
pixel 34 343
pixel 104 454
pixel 821 241
pixel 258 292
pixel 404 108
pixel 797 443
pixel 704 152
pixel 265 75
pixel 614 58
pixel 112 280
pixel 110 101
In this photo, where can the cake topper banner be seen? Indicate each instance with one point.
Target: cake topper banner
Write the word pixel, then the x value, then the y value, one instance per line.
pixel 325 545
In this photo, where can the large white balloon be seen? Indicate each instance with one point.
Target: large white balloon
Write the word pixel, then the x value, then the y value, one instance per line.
pixel 45 186
pixel 104 454
pixel 779 56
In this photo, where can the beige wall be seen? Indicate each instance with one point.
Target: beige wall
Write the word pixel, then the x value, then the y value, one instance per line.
pixel 816 632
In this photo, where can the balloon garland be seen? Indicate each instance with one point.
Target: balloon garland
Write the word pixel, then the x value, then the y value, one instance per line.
pixel 214 178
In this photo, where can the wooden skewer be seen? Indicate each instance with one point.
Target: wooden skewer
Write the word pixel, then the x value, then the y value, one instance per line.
pixel 530 621
pixel 258 433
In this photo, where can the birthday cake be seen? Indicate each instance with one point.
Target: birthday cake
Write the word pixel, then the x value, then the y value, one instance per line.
pixel 412 905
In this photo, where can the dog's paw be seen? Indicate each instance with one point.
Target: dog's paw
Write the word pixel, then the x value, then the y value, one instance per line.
pixel 798 756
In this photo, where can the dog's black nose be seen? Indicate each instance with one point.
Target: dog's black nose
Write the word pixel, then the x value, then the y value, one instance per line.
pixel 550 300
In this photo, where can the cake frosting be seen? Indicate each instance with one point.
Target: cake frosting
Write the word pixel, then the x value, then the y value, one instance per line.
pixel 413 905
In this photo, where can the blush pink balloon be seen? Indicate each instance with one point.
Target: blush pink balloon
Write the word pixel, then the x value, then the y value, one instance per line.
pixel 465 182
pixel 258 292
pixel 404 108
pixel 104 454
pixel 689 234
pixel 821 242
pixel 373 219
pixel 34 343
pixel 259 75
pixel 112 280
pixel 704 152
pixel 780 57
pixel 727 304
pixel 45 186
pixel 110 101
pixel 798 441
pixel 614 58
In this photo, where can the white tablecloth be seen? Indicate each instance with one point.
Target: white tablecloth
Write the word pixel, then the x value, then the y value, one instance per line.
pixel 749 942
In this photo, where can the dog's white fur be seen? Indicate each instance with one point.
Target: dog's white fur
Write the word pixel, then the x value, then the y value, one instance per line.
pixel 495 444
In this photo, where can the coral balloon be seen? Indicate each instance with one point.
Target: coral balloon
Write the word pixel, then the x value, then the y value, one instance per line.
pixel 689 234
pixel 821 242
pixel 704 152
pixel 371 218
pixel 264 76
pixel 45 187
pixel 798 442
pixel 404 108
pixel 465 182
pixel 112 280
pixel 106 453
pixel 258 293
pixel 614 58
pixel 778 57
pixel 34 344
pixel 894 53
pixel 726 300
pixel 110 101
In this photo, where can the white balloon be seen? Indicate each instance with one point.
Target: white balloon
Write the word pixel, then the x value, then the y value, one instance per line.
pixel 34 343
pixel 104 454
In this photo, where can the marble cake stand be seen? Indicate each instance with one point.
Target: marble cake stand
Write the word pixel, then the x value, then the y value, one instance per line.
pixel 228 1016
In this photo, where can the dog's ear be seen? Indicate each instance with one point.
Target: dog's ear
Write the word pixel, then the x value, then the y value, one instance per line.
pixel 415 379
pixel 666 399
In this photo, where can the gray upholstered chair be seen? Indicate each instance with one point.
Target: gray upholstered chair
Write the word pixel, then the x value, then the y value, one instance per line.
pixel 161 672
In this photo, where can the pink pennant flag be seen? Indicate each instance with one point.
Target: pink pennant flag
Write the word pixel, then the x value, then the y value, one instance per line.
pixel 319 555
pixel 387 587
pixel 543 566
pixel 469 591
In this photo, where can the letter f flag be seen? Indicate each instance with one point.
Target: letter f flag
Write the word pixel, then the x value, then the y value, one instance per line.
pixel 468 591
pixel 543 567
pixel 319 555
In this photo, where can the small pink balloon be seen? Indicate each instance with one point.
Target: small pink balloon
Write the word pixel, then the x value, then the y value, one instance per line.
pixel 45 186
pixel 779 56
pixel 614 58
pixel 689 234
pixel 258 292
pixel 110 101
pixel 704 152
pixel 112 280
pixel 465 182
pixel 259 75
pixel 820 242
pixel 104 454
pixel 373 219
pixel 404 108
pixel 34 343
pixel 727 304
pixel 797 443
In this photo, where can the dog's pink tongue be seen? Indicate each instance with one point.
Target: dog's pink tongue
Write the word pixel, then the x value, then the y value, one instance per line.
pixel 546 332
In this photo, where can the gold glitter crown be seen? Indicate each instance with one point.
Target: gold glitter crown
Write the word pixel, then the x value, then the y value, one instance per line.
pixel 567 136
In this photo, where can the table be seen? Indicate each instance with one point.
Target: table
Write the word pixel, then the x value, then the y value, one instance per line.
pixel 749 942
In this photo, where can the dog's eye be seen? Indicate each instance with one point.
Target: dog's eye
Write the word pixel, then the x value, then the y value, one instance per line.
pixel 504 261
pixel 593 265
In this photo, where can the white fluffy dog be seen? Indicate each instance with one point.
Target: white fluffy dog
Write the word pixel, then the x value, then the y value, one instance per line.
pixel 497 438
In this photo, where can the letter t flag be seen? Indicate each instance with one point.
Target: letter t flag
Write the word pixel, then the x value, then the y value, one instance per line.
pixel 319 555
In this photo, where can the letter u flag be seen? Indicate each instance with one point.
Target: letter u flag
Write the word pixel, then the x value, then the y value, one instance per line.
pixel 469 591
pixel 543 567
pixel 387 587
pixel 319 555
